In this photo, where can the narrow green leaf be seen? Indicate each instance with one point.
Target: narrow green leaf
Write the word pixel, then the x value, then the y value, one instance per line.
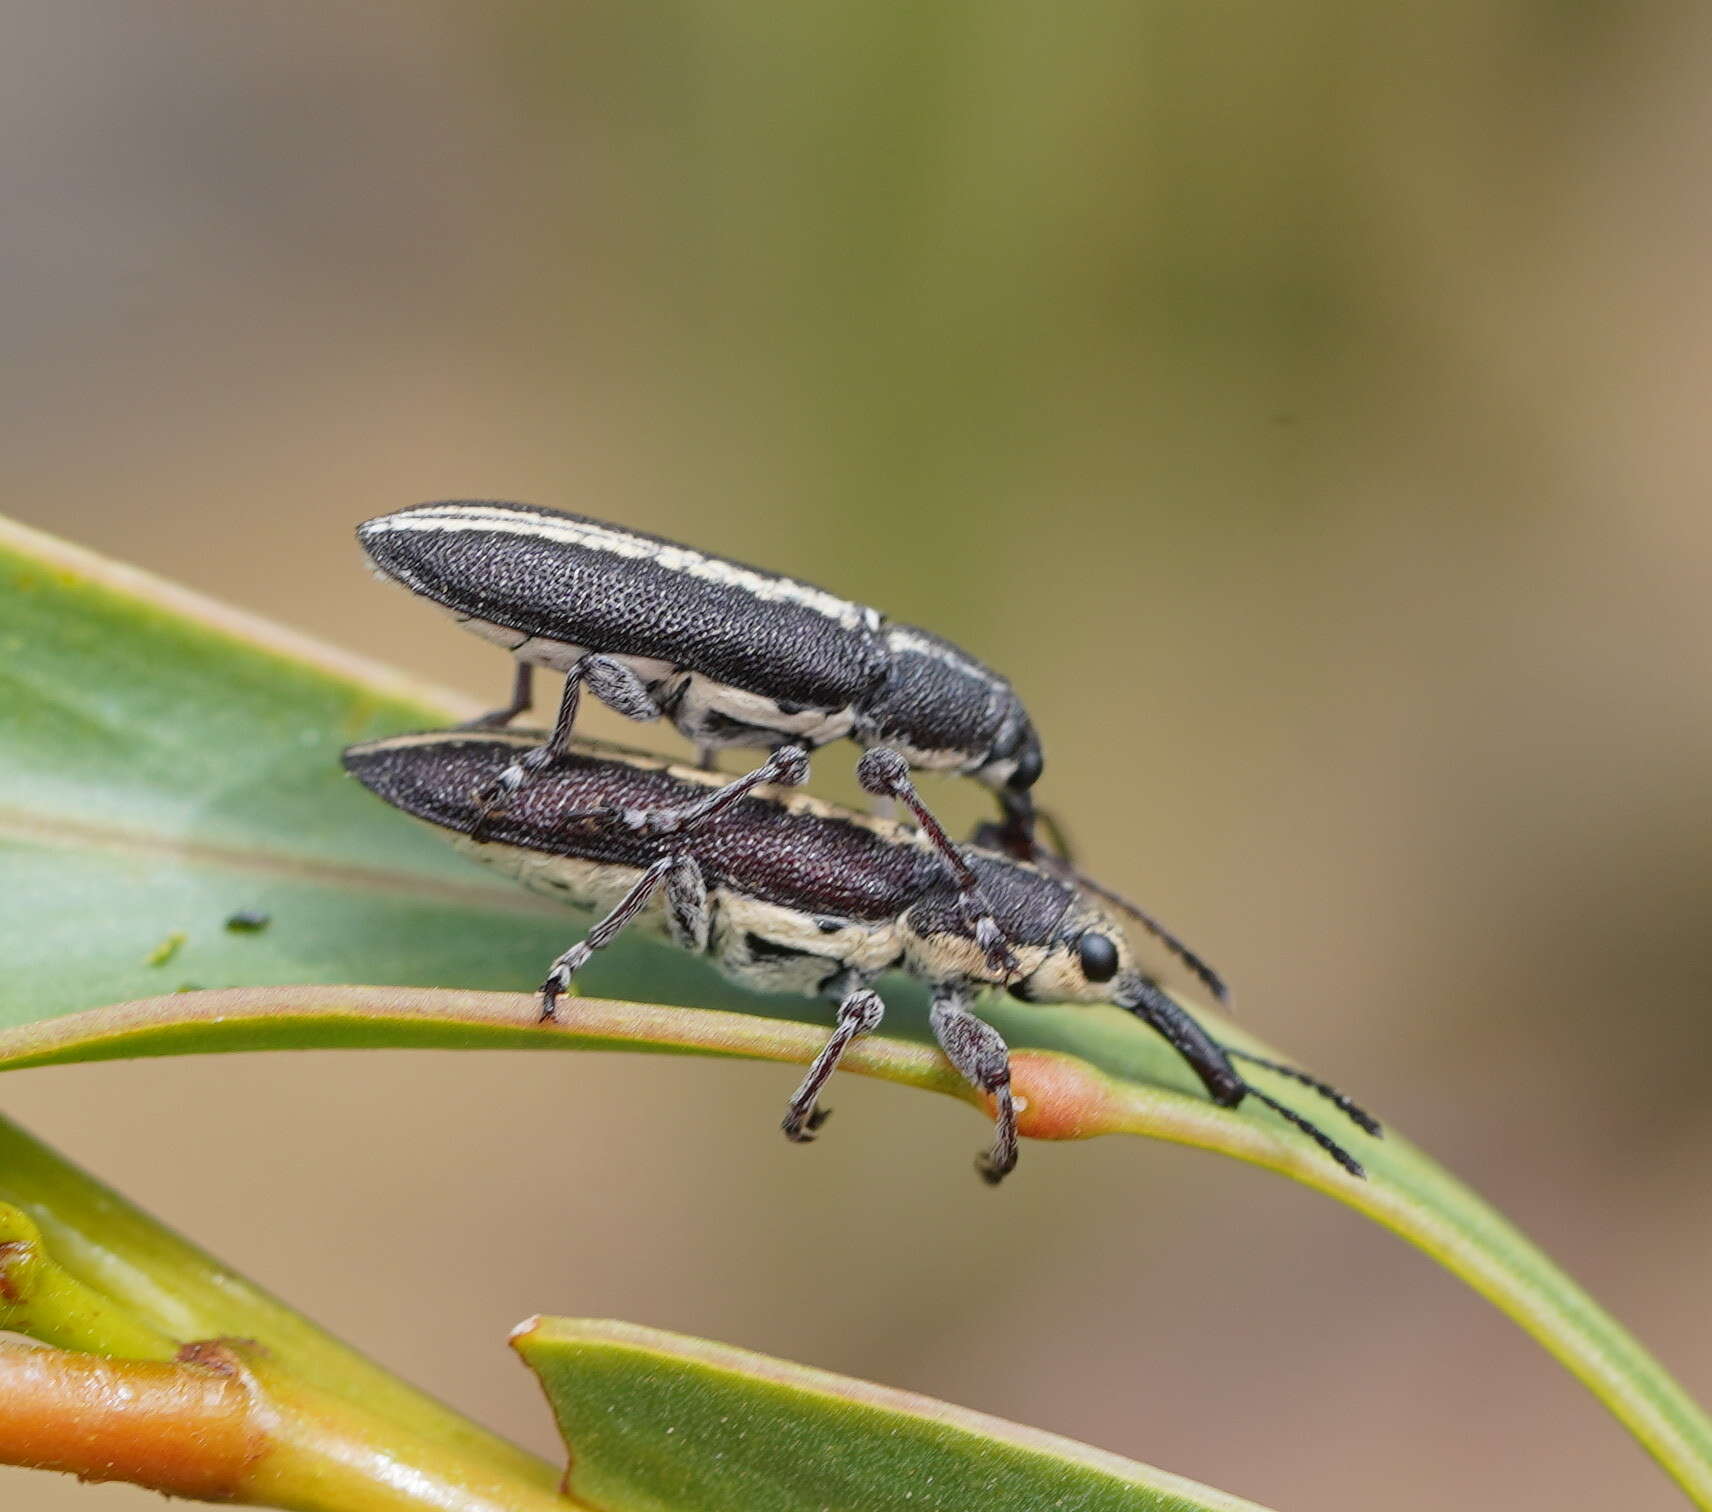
pixel 168 763
pixel 656 1422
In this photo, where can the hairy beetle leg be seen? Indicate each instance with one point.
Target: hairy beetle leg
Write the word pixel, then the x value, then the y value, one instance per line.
pixel 787 767
pixel 686 889
pixel 860 1013
pixel 976 1049
pixel 613 683
pixel 885 774
pixel 608 929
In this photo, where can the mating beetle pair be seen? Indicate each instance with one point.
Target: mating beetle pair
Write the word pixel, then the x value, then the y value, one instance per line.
pixel 783 891
pixel 732 655
pixel 786 893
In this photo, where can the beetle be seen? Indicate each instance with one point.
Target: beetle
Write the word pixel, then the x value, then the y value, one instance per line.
pixel 732 655
pixel 788 893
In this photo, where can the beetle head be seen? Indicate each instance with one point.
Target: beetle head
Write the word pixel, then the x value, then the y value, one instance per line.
pixel 1089 960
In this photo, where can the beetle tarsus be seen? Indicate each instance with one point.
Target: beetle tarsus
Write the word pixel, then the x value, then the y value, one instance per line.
pixel 800 1128
pixel 977 1049
pixel 860 1013
pixel 559 979
pixel 991 1169
pixel 549 994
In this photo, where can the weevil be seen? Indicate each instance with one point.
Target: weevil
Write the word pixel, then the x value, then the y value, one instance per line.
pixel 732 655
pixel 788 893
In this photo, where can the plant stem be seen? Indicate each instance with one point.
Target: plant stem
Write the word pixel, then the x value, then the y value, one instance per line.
pixel 170 1428
pixel 225 1424
pixel 155 1292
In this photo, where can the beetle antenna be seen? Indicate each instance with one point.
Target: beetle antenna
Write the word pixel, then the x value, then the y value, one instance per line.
pixel 1203 973
pixel 1210 979
pixel 1353 1110
pixel 1059 864
pixel 1211 1062
pixel 1056 832
pixel 1314 1132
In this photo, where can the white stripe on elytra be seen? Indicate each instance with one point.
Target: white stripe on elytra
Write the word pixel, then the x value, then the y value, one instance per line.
pixel 607 538
pixel 906 640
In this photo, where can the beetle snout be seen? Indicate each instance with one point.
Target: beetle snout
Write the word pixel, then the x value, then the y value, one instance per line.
pixel 1014 759
pixel 1030 762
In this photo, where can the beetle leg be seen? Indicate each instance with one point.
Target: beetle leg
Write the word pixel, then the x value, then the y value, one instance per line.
pixel 1010 835
pixel 976 1049
pixel 570 700
pixel 1016 833
pixel 603 934
pixel 884 773
pixel 1210 1061
pixel 687 916
pixel 787 766
pixel 613 683
pixel 495 795
pixel 860 1013
pixel 521 698
pixel 616 686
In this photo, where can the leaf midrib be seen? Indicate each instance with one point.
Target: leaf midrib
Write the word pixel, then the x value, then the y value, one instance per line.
pixel 58 832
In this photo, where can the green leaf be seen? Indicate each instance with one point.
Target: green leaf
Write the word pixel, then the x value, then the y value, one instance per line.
pixel 657 1421
pixel 166 762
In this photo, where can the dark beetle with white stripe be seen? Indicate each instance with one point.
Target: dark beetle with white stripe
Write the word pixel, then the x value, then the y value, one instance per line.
pixel 787 893
pixel 732 655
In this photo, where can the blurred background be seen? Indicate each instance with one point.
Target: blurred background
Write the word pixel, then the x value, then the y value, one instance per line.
pixel 1302 404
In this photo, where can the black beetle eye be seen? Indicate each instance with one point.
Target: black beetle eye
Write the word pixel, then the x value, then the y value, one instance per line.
pixel 1099 957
